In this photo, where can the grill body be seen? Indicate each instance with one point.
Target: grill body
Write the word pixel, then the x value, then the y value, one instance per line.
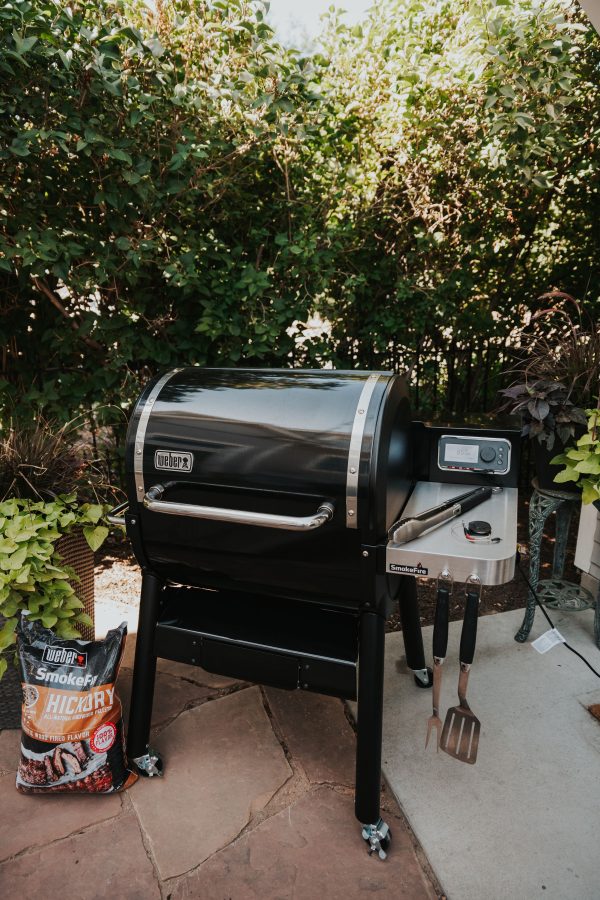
pixel 259 503
pixel 269 442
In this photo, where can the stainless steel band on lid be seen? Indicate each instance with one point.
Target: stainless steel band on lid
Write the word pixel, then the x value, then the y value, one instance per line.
pixel 358 430
pixel 140 435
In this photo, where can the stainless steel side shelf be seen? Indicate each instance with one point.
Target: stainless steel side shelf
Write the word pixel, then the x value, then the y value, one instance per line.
pixel 447 547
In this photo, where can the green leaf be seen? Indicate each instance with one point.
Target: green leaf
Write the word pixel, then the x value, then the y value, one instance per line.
pixel 155 46
pixel 16 559
pixel 7 545
pixel 95 536
pixel 122 155
pixel 65 629
pixel 66 57
pixel 566 475
pixel 589 492
pixel 49 620
pixel 589 466
pixel 7 633
pixel 73 602
pixel 3 666
pixel 23 44
pixel 577 454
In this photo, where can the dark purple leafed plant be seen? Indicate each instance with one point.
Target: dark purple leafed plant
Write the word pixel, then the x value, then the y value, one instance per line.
pixel 546 410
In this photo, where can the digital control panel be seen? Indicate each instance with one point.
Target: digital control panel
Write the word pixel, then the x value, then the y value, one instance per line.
pixel 466 453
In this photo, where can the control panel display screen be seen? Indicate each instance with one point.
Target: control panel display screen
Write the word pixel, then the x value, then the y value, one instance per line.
pixel 474 453
pixel 461 453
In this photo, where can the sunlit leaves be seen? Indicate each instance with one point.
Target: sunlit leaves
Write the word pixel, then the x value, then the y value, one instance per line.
pixel 32 574
pixel 191 192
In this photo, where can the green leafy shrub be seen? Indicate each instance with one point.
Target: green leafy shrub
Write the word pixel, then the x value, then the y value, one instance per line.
pixel 177 188
pixel 582 462
pixel 32 576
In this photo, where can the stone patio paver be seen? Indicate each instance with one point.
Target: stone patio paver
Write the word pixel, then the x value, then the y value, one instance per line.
pixel 195 673
pixel 103 862
pixel 317 733
pixel 10 749
pixel 171 696
pixel 30 820
pixel 223 764
pixel 310 850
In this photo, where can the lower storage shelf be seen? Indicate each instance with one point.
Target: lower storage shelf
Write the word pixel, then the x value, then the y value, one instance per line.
pixel 269 640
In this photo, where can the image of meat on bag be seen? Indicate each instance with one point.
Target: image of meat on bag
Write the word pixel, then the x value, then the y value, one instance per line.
pixel 72 730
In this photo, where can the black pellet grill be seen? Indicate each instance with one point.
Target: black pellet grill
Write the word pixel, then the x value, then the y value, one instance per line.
pixel 259 506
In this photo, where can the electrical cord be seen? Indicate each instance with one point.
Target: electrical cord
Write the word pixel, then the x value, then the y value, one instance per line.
pixel 551 623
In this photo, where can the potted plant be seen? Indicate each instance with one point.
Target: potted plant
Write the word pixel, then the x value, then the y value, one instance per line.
pixel 47 499
pixel 550 419
pixel 581 463
pixel 556 378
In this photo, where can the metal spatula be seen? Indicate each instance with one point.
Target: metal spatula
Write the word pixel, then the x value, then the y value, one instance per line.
pixel 460 735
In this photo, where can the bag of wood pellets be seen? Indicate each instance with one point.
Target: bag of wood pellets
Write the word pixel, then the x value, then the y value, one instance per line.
pixel 72 730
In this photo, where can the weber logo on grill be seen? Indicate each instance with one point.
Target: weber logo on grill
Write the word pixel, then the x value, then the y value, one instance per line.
pixel 64 656
pixel 175 462
pixel 409 570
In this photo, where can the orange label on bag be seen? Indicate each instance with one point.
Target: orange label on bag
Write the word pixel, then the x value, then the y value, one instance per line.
pixel 54 715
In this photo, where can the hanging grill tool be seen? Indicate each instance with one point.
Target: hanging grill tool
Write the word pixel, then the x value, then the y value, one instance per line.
pixel 460 736
pixel 260 506
pixel 440 646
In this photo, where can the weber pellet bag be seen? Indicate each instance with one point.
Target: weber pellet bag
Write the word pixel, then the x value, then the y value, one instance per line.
pixel 72 730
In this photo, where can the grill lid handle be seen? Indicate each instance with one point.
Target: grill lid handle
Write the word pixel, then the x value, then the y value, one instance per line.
pixel 153 502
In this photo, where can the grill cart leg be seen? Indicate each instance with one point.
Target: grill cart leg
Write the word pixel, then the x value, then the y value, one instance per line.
pixel 411 632
pixel 146 760
pixel 368 742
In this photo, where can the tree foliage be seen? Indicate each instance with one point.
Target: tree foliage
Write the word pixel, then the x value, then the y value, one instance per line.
pixel 177 188
pixel 469 130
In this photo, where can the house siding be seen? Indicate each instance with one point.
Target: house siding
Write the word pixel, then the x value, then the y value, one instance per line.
pixel 587 551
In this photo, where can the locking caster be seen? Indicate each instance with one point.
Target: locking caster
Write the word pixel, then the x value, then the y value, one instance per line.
pixel 149 765
pixel 423 677
pixel 378 837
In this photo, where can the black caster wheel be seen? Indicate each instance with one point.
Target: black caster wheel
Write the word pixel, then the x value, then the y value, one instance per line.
pixel 421 683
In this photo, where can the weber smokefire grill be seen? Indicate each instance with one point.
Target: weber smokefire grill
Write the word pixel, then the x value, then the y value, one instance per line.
pixel 268 511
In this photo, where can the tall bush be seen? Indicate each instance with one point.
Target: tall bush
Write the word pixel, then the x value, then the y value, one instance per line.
pixel 145 216
pixel 466 162
pixel 177 188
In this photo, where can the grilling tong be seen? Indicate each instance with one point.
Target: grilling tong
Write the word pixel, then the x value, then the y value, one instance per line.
pixel 408 529
pixel 459 736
